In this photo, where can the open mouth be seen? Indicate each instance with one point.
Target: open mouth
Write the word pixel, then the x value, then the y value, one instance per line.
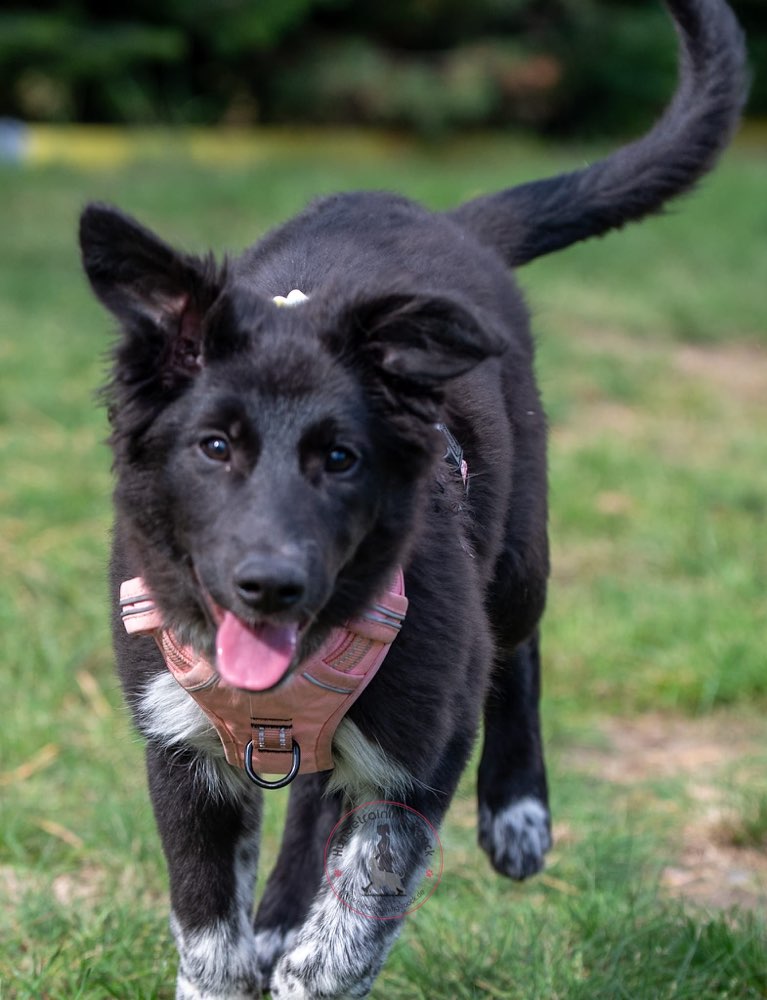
pixel 254 657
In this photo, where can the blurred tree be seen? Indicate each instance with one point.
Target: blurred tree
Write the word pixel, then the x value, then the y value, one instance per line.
pixel 428 65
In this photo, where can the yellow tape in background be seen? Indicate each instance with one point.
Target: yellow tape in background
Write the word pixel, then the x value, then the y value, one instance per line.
pixel 106 146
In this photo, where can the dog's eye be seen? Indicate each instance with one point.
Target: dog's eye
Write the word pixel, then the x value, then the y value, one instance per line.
pixel 216 448
pixel 340 459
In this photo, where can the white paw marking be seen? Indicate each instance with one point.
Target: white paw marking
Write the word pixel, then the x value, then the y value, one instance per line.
pixel 517 837
pixel 188 991
pixel 217 963
pixel 271 945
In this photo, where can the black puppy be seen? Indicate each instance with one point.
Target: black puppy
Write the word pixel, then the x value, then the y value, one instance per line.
pixel 275 465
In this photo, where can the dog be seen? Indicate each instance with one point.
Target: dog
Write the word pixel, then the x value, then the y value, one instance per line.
pixel 279 460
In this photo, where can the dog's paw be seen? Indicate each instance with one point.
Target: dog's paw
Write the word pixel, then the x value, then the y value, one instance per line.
pixel 186 990
pixel 301 974
pixel 217 962
pixel 286 985
pixel 271 945
pixel 516 837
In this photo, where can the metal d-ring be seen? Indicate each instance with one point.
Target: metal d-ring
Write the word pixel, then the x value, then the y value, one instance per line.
pixel 280 782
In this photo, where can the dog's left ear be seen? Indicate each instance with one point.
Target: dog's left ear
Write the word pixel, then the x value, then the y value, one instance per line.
pixel 416 343
pixel 153 290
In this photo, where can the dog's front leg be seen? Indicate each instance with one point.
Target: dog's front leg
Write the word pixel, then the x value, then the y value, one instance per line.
pixel 209 829
pixel 340 949
pixel 298 871
pixel 375 864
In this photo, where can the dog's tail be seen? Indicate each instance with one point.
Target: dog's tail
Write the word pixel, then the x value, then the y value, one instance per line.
pixel 537 218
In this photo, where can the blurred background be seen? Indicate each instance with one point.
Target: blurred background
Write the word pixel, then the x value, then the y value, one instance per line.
pixel 565 67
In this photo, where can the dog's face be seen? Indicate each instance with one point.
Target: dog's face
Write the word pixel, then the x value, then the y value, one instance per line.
pixel 270 460
pixel 270 479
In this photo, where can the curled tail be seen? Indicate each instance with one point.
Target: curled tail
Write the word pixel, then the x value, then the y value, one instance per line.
pixel 533 219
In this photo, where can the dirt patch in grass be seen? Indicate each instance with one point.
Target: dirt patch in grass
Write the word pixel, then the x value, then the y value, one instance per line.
pixel 597 417
pixel 84 889
pixel 736 368
pixel 669 382
pixel 704 758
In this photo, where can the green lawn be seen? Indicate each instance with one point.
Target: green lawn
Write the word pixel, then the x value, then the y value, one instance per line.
pixel 653 365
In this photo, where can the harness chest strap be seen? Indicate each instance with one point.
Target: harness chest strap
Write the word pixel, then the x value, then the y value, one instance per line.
pixel 306 709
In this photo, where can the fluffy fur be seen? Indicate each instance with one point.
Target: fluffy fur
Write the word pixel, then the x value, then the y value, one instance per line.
pixel 281 461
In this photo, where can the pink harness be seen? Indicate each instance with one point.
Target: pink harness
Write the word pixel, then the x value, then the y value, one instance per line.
pixel 291 728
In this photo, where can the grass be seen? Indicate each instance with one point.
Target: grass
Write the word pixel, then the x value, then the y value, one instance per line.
pixel 653 365
pixel 748 826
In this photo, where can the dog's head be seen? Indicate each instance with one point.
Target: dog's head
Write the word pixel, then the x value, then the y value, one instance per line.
pixel 270 462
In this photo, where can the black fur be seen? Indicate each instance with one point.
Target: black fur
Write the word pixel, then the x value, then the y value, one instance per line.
pixel 412 319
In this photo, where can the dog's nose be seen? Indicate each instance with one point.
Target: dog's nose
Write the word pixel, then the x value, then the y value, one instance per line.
pixel 269 583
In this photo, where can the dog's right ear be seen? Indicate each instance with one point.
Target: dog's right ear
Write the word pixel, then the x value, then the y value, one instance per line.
pixel 157 294
pixel 417 342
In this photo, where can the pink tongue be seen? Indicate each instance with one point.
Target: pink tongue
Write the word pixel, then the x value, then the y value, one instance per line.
pixel 254 658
